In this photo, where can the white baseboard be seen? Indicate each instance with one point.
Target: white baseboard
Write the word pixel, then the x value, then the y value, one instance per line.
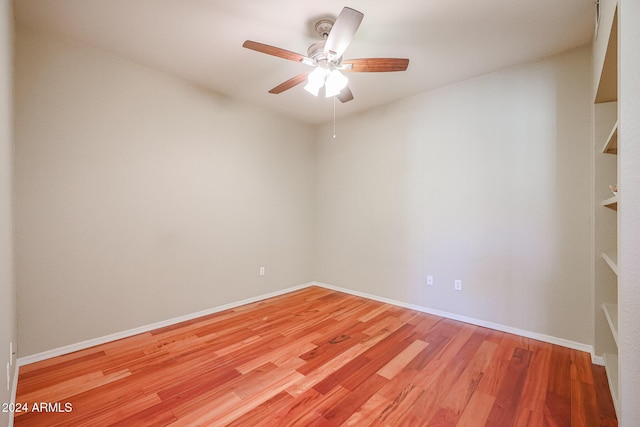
pixel 21 361
pixel 491 325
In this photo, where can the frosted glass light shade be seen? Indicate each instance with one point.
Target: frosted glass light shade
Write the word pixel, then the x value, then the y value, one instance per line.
pixel 336 81
pixel 312 89
pixel 316 80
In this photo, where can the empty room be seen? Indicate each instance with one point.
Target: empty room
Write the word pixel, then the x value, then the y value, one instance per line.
pixel 285 213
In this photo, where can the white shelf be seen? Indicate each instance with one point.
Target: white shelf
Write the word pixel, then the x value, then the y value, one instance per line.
pixel 611 203
pixel 612 261
pixel 611 144
pixel 611 366
pixel 611 313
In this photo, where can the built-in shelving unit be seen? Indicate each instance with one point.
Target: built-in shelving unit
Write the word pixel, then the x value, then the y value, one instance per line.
pixel 605 98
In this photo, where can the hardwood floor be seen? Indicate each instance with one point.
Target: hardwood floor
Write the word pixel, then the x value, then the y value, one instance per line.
pixel 317 357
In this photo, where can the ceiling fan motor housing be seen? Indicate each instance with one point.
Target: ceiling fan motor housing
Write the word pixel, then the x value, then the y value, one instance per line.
pixel 316 51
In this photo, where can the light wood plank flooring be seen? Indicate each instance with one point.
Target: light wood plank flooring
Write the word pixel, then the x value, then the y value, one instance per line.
pixel 317 357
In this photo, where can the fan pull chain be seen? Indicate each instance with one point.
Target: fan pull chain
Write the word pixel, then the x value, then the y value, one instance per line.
pixel 334 117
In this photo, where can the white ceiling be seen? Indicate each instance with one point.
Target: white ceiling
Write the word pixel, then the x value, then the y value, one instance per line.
pixel 201 41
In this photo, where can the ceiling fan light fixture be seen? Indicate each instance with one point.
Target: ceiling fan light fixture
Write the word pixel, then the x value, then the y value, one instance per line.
pixel 316 80
pixel 336 81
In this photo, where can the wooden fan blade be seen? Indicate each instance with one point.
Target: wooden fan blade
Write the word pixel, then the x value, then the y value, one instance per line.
pixel 294 81
pixel 272 50
pixel 342 33
pixel 345 95
pixel 376 65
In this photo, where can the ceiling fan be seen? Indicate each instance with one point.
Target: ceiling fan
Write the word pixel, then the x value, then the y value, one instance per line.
pixel 326 58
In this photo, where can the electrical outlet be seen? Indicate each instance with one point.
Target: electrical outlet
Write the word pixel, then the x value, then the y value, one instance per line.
pixel 457 285
pixel 430 280
pixel 262 271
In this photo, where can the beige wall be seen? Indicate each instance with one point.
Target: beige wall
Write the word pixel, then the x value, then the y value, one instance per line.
pixel 7 290
pixel 140 197
pixel 487 181
pixel 629 210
